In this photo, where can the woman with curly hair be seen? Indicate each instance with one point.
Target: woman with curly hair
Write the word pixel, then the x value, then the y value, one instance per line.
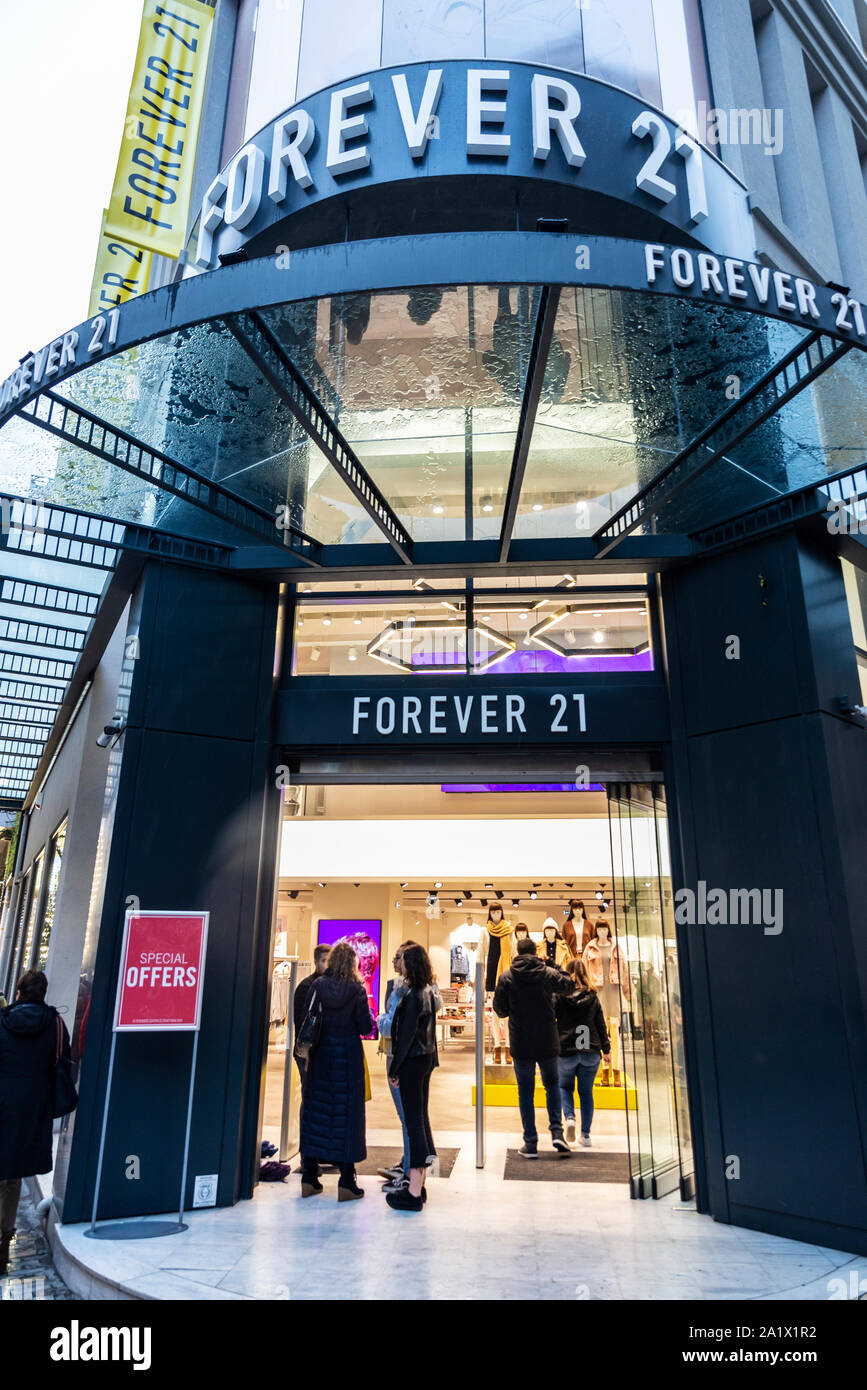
pixel 413 1058
pixel 332 1117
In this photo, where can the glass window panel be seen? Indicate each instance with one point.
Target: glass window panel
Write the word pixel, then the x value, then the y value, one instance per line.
pixel 24 958
pixel 856 597
pixel 57 846
pixel 649 1033
pixel 537 31
pixel 338 40
pixel 418 30
pixel 518 635
pixel 620 45
pixel 274 68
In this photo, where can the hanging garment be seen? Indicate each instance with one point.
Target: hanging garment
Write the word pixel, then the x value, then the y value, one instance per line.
pixel 460 962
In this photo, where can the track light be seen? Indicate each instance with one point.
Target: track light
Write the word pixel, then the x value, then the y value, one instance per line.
pixel 468 893
pixel 293 893
pixel 516 902
pixel 459 902
pixel 499 892
pixel 534 895
pixel 321 884
pixel 483 901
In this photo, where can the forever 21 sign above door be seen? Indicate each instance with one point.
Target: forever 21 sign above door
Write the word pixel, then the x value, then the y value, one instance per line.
pixel 439 714
pixel 496 713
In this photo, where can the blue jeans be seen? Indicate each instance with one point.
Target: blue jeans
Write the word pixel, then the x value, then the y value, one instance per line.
pixel 398 1105
pixel 581 1067
pixel 525 1075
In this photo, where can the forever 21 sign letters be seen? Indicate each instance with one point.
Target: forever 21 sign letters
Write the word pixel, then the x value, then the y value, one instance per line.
pixel 498 713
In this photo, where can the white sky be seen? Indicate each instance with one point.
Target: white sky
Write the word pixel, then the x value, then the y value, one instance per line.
pixel 67 66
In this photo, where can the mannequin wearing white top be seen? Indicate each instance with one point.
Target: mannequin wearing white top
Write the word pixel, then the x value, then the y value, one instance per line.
pixel 609 998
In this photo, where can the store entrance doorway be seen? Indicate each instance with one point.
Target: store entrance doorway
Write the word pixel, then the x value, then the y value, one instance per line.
pixel 384 864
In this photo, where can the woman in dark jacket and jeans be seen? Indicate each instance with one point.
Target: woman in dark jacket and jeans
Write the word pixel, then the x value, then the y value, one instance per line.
pixel 583 1041
pixel 332 1117
pixel 28 1052
pixel 413 1058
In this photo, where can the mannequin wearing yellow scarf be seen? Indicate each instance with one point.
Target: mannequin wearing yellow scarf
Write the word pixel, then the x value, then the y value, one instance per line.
pixel 498 957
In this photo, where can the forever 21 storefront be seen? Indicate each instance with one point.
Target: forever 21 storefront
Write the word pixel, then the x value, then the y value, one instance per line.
pixel 475 448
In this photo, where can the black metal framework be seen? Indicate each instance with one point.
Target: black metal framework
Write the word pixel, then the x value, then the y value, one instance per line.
pixel 546 314
pixel 81 427
pixel 268 356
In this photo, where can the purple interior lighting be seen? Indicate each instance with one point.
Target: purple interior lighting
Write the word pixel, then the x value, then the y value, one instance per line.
pixel 519 787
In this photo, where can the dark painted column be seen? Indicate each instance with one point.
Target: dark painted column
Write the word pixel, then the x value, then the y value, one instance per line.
pixel 195 826
pixel 771 781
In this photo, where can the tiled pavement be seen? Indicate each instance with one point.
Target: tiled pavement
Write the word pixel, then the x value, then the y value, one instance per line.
pixel 31 1272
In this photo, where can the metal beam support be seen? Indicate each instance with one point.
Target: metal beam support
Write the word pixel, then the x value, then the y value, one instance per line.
pixel 779 385
pixel 546 313
pixel 268 356
pixel 81 427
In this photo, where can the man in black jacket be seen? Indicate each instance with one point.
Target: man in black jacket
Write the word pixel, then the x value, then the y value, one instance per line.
pixel 302 996
pixel 525 995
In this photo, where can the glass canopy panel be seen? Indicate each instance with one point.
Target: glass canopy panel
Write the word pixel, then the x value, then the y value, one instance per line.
pixel 426 387
pixel 196 396
pixel 630 381
pixel 821 431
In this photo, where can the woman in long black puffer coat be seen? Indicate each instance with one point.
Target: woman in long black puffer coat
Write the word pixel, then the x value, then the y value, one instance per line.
pixel 332 1114
pixel 28 1052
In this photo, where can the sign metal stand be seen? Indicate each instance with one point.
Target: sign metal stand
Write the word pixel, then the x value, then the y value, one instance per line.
pixel 146 1229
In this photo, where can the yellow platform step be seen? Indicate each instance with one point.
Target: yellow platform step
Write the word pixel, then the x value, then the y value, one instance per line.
pixel 604 1097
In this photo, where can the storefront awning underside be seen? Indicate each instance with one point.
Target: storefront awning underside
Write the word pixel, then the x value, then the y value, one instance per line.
pixel 455 429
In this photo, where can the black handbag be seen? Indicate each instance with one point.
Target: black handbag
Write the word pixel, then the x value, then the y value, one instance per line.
pixel 310 1031
pixel 65 1094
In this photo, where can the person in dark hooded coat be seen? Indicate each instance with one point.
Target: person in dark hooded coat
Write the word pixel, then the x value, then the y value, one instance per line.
pixel 28 1053
pixel 332 1117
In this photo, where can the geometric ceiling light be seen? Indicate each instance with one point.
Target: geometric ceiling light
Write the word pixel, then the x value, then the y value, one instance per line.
pixel 544 633
pixel 436 647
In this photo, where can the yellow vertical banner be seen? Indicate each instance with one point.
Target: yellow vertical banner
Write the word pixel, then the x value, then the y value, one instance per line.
pixel 150 197
pixel 122 271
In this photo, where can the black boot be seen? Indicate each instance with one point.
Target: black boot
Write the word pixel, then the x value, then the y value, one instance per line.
pixel 404 1200
pixel 347 1188
pixel 310 1184
pixel 5 1241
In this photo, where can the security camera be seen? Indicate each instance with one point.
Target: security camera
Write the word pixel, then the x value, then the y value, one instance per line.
pixel 112 732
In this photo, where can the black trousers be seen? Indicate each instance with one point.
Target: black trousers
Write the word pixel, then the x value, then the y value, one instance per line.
pixel 414 1077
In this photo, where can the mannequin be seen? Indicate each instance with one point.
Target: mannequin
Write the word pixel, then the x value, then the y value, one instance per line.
pixel 577 928
pixel 552 948
pixel 609 977
pixel 497 954
pixel 522 933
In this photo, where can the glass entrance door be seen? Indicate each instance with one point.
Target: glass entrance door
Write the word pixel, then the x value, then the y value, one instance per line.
pixel 651 1020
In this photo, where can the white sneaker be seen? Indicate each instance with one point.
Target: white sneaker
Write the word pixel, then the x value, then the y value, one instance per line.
pixel 585 1141
pixel 570 1131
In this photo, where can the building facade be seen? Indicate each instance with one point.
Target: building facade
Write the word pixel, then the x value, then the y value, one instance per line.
pixel 500 427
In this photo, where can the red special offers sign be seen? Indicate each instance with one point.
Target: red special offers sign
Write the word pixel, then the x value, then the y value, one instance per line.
pixel 161 971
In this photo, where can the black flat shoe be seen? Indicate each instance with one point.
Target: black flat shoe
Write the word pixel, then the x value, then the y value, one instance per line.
pixel 404 1200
